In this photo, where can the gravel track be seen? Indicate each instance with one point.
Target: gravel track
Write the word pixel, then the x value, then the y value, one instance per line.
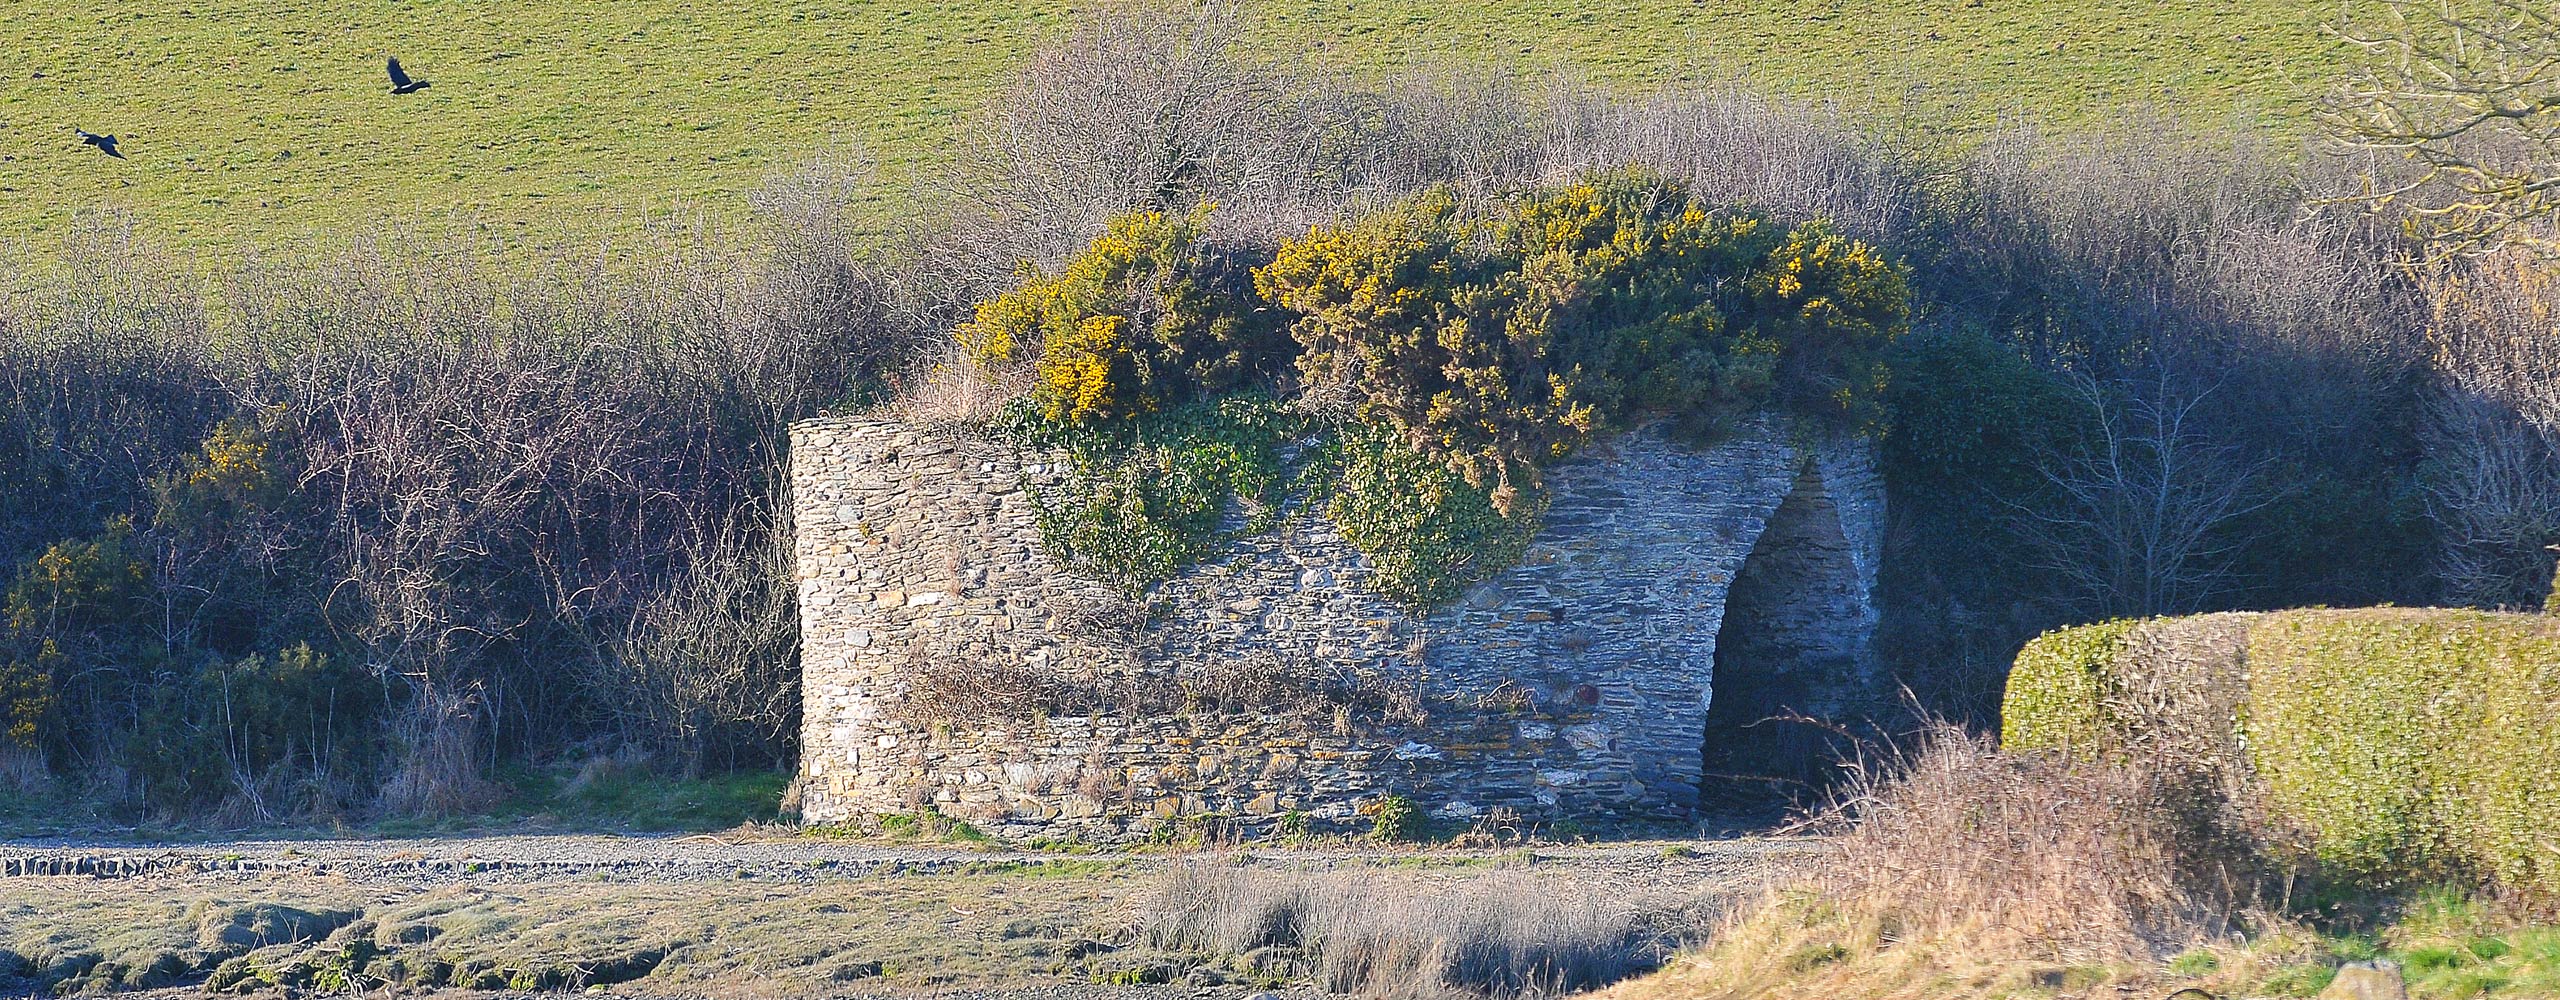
pixel 678 859
pixel 757 865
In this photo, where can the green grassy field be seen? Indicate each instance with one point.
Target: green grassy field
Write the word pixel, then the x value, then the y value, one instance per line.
pixel 247 123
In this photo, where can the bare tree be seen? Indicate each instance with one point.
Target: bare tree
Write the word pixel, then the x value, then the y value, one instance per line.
pixel 1141 106
pixel 2147 504
pixel 2493 489
pixel 2467 95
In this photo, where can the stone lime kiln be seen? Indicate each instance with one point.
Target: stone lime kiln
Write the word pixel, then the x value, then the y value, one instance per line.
pixel 1675 594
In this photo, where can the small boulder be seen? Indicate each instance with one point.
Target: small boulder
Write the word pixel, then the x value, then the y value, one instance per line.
pixel 2374 980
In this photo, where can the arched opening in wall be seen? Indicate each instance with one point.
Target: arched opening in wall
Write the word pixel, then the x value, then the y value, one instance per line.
pixel 1792 648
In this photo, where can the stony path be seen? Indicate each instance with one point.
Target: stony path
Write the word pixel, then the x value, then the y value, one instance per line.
pixel 676 859
pixel 792 894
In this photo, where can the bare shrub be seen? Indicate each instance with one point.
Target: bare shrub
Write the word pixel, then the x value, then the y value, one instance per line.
pixel 107 373
pixel 1734 146
pixel 2493 477
pixel 1494 936
pixel 706 663
pixel 2493 490
pixel 2030 855
pixel 442 769
pixel 524 495
pixel 1139 106
pixel 2491 336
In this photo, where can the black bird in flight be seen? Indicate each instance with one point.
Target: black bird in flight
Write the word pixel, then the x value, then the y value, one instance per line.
pixel 105 143
pixel 400 82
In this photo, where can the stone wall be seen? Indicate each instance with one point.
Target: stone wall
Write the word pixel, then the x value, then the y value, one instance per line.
pixel 1574 686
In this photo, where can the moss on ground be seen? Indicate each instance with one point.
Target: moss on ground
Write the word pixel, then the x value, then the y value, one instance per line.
pixel 983 925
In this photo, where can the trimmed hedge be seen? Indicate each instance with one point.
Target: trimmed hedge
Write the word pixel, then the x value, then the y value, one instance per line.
pixel 2414 743
pixel 2058 689
pixel 2400 747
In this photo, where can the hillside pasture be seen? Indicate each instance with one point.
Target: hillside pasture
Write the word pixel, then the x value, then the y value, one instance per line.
pixel 248 125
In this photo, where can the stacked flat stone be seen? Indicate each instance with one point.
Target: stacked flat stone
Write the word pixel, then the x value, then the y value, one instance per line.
pixel 1573 686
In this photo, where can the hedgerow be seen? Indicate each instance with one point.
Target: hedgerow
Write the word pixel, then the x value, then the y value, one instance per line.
pixel 2397 747
pixel 2413 744
pixel 2059 688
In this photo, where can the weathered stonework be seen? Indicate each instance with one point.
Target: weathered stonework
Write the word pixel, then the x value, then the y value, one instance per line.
pixel 1574 686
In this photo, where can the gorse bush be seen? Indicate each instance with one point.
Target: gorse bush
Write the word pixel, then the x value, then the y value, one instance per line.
pixel 202 696
pixel 1142 319
pixel 1498 339
pixel 1488 342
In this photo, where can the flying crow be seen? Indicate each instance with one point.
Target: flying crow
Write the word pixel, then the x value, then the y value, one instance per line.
pixel 105 143
pixel 400 82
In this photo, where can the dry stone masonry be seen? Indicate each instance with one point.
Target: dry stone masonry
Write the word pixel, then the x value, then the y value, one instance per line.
pixel 1573 688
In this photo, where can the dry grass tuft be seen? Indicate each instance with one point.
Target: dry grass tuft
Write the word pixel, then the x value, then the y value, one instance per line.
pixel 2031 853
pixel 1955 869
pixel 1502 935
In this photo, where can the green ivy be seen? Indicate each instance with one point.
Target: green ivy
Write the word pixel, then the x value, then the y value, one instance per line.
pixel 1143 498
pixel 1429 533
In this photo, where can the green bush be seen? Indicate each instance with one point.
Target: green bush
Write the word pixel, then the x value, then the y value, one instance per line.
pixel 1500 339
pixel 2413 744
pixel 2059 689
pixel 1969 415
pixel 71 604
pixel 297 712
pixel 1394 819
pixel 180 646
pixel 2398 747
